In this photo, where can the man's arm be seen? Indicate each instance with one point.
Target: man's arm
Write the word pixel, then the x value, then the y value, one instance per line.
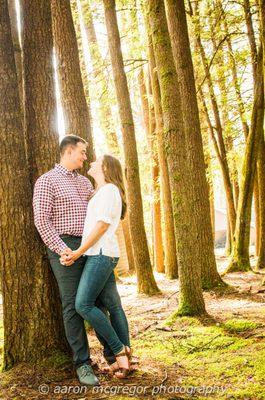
pixel 43 198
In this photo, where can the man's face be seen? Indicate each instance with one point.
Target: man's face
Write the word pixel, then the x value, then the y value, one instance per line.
pixel 77 155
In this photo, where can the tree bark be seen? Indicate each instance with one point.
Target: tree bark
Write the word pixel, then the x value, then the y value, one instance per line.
pixel 182 56
pixel 150 128
pixel 182 185
pixel 240 257
pixel 171 263
pixel 33 328
pixel 75 108
pixel 145 278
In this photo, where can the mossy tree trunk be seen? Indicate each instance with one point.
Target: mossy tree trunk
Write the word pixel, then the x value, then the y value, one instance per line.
pixel 261 160
pixel 169 239
pixel 240 257
pixel 33 328
pixel 75 108
pixel 182 182
pixel 145 278
pixel 150 128
pixel 182 56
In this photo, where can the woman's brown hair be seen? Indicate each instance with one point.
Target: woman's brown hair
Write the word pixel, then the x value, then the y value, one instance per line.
pixel 112 170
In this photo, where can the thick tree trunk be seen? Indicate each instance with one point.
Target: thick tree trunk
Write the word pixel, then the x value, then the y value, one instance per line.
pixel 16 44
pixel 75 108
pixel 33 327
pixel 182 55
pixel 145 278
pixel 182 185
pixel 150 128
pixel 171 263
pixel 240 257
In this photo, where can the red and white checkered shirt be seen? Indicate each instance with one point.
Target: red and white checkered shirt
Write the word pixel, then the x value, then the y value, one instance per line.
pixel 60 202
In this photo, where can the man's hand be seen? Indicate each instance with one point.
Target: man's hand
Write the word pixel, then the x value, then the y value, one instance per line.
pixel 68 258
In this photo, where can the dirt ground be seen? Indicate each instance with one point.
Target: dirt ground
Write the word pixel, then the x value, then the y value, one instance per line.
pixel 146 315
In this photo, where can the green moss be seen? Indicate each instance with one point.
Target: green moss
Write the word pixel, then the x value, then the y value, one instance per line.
pixel 56 360
pixel 239 325
pixel 208 355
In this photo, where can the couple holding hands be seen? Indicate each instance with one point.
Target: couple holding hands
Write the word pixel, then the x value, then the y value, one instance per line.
pixel 77 223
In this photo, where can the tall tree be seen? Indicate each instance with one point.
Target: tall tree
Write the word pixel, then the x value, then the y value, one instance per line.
pixel 75 108
pixel 145 279
pixel 240 256
pixel 33 326
pixel 182 56
pixel 150 127
pixel 185 207
pixel 169 240
pixel 261 159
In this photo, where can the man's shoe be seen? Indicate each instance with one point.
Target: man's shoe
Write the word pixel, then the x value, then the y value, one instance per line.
pixel 86 375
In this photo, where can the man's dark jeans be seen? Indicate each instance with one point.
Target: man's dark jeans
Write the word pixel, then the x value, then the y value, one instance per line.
pixel 68 281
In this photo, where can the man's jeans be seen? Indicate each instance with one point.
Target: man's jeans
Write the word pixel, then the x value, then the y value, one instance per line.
pixel 98 282
pixel 68 280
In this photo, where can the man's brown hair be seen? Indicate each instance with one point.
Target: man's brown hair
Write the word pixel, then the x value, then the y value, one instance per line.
pixel 70 140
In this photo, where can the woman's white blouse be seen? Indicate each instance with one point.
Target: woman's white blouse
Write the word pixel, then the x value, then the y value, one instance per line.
pixel 106 206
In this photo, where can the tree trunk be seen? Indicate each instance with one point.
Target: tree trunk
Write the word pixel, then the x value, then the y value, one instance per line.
pixel 150 128
pixel 240 257
pixel 182 55
pixel 16 44
pixel 33 327
pixel 182 182
pixel 171 263
pixel 261 160
pixel 75 108
pixel 145 278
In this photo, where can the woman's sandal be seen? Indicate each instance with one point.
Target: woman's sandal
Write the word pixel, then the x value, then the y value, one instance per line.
pixel 123 371
pixel 114 367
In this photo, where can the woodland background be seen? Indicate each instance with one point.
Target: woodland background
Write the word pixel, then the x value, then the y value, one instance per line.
pixel 175 89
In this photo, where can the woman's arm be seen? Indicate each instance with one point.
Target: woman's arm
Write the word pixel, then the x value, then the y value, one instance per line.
pixel 96 233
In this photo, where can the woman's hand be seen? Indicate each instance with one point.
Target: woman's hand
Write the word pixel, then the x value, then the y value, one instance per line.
pixel 69 259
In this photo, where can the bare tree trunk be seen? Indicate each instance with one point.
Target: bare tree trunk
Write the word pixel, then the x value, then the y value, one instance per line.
pixel 150 128
pixel 33 328
pixel 240 257
pixel 75 108
pixel 182 182
pixel 145 278
pixel 182 55
pixel 171 263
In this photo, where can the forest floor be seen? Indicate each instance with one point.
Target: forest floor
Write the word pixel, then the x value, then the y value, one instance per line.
pixel 217 357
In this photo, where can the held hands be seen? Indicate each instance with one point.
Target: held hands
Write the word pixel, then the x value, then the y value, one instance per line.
pixel 68 257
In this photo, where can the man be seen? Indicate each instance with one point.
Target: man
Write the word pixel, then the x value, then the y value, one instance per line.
pixel 59 202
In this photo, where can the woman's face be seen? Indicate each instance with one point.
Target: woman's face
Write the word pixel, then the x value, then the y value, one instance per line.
pixel 96 167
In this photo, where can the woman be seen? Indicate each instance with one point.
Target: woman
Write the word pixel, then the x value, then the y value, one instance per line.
pixel 99 243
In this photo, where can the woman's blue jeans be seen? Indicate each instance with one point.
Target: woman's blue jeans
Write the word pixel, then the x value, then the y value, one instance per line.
pixel 98 282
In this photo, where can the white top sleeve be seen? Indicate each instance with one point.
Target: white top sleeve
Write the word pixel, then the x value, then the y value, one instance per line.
pixel 108 204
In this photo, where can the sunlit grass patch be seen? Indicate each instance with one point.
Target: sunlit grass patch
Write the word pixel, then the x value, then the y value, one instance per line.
pixel 239 325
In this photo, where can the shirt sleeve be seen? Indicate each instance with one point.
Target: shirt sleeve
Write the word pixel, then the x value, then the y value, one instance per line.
pixel 43 198
pixel 108 205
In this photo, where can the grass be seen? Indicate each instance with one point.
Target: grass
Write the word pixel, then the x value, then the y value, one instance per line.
pixel 217 355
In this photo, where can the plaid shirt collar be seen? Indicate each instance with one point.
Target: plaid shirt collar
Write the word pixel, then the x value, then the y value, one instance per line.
pixel 65 171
